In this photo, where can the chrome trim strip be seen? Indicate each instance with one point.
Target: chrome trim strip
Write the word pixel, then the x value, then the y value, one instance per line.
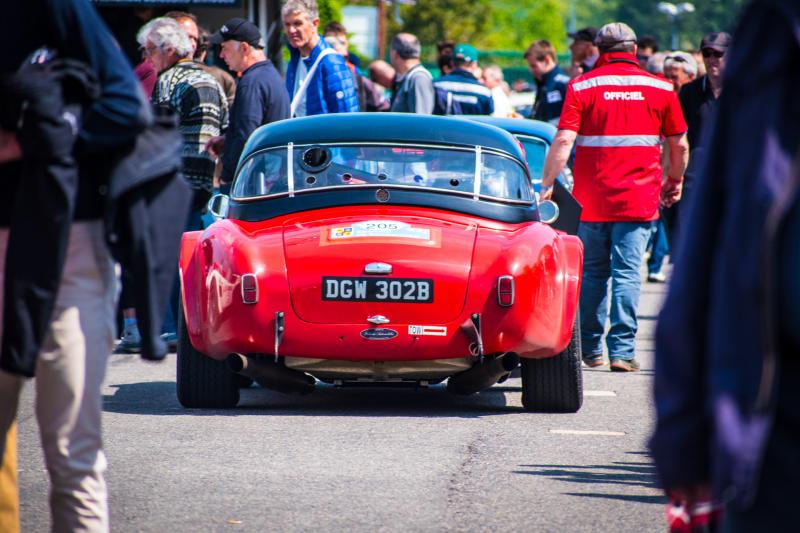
pixel 493 151
pixel 378 268
pixel 476 180
pixel 290 165
pixel 384 186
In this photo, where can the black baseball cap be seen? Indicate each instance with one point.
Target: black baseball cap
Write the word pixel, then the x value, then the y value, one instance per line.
pixel 587 34
pixel 719 41
pixel 238 29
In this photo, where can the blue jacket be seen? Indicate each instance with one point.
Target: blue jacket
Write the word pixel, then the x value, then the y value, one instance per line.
pixel 332 89
pixel 717 349
pixel 550 96
pixel 460 93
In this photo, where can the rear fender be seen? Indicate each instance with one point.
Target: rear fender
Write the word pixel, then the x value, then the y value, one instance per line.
pixel 191 294
pixel 573 273
pixel 554 296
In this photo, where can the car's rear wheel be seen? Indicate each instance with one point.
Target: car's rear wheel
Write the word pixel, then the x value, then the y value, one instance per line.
pixel 202 381
pixel 555 384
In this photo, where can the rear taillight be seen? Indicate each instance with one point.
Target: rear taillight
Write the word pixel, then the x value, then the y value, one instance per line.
pixel 249 288
pixel 505 291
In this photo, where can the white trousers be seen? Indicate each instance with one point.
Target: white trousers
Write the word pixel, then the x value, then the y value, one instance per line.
pixel 69 372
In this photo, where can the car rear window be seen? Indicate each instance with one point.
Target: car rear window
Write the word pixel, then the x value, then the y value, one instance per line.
pixel 438 169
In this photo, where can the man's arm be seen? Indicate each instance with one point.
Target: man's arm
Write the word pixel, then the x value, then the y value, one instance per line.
pixel 339 85
pixel 557 157
pixel 678 149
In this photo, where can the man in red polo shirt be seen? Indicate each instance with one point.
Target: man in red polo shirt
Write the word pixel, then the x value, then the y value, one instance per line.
pixel 618 115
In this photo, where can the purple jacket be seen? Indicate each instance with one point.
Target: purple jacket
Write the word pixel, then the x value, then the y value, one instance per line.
pixel 716 355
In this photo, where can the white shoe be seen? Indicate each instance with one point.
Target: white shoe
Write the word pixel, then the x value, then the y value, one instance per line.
pixel 131 340
pixel 657 277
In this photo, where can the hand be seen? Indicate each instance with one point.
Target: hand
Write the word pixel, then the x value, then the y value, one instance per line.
pixel 671 191
pixel 215 145
pixel 10 149
pixel 545 193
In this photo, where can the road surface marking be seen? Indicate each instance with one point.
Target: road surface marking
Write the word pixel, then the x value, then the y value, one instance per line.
pixel 605 393
pixel 584 432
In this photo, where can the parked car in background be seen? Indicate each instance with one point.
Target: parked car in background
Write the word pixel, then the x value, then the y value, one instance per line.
pixel 536 137
pixel 380 248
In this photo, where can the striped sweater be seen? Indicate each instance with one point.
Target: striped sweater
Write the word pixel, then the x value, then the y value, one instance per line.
pixel 202 109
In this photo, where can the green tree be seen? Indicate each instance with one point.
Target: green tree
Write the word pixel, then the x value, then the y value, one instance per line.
pixel 710 15
pixel 330 10
pixel 514 24
pixel 434 20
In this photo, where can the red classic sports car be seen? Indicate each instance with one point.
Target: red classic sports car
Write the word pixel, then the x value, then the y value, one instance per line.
pixel 380 248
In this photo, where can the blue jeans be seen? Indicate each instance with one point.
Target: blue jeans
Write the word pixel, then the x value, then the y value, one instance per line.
pixel 612 250
pixel 659 243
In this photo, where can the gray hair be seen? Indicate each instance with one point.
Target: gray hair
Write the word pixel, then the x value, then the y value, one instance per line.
pixel 406 45
pixel 683 60
pixel 655 63
pixel 308 7
pixel 165 33
pixel 624 46
pixel 494 72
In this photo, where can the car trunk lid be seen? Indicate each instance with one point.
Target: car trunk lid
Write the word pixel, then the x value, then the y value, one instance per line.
pixel 409 269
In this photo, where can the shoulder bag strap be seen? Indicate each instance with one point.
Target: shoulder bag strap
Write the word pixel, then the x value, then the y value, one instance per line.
pixel 302 90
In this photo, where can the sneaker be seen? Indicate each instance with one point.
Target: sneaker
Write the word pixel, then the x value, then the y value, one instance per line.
pixel 624 365
pixel 171 339
pixel 131 341
pixel 657 277
pixel 593 361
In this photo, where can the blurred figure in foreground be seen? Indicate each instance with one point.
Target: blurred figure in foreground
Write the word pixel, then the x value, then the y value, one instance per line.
pixel 94 172
pixel 728 403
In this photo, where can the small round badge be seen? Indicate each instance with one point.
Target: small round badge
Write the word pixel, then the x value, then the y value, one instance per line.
pixel 382 195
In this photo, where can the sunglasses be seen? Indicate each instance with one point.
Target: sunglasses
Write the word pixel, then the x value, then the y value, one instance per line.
pixel 712 53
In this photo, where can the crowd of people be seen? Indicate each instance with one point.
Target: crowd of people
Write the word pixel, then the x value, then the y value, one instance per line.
pixel 633 173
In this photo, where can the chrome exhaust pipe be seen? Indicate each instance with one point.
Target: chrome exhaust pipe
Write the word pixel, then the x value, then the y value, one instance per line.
pixel 267 373
pixel 482 375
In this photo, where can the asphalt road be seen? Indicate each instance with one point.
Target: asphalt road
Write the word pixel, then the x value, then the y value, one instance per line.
pixel 367 459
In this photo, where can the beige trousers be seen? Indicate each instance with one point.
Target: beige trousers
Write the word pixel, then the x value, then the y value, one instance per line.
pixel 69 373
pixel 9 497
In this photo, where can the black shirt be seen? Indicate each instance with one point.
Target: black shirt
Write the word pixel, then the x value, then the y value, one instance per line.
pixel 261 98
pixel 697 103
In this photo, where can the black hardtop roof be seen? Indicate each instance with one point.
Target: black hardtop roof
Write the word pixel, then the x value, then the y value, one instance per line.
pixel 382 127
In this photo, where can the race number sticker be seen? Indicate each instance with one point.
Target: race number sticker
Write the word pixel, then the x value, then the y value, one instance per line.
pixel 434 331
pixel 380 228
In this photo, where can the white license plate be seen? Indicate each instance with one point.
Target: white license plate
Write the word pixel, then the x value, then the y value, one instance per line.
pixel 364 289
